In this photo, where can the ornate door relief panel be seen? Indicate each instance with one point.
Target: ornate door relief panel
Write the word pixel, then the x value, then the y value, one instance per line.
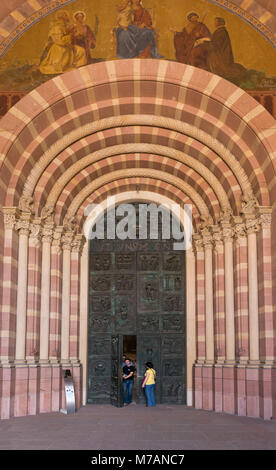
pixel 137 287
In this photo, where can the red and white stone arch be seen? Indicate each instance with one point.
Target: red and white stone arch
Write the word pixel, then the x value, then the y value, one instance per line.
pixel 180 134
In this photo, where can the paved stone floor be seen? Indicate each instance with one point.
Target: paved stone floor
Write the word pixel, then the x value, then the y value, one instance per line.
pixel 135 427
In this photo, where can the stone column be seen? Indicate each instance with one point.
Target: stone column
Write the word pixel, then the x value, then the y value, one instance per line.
pixel 241 290
pixel 191 322
pixel 45 368
pixel 200 298
pixel 209 304
pixel 241 311
pixel 200 319
pixel 266 320
pixel 252 226
pixel 56 296
pixel 207 371
pixel 219 294
pixel 33 315
pixel 77 245
pixel 228 378
pixel 66 284
pixel 9 285
pixel 21 309
pixel 219 315
pixel 227 233
pixel 265 300
pixel 55 318
pixel 253 369
pixel 84 290
pixel 21 370
pixel 34 293
pixel 8 311
pixel 47 235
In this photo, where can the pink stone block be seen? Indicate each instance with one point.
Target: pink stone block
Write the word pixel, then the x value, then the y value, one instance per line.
pixel 198 399
pixel 45 389
pixel 56 389
pixel 33 390
pixel 207 391
pixel 252 374
pixel 228 403
pixel 21 391
pixel 253 407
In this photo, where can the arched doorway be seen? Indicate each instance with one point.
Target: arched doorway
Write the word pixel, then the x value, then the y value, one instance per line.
pixel 137 288
pixel 177 134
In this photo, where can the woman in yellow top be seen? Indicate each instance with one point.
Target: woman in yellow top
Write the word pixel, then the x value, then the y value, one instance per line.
pixel 149 384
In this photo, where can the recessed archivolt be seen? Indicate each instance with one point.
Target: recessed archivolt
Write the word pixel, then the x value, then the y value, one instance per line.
pixel 156 121
pixel 108 74
pixel 137 186
pixel 194 150
pixel 151 150
pixel 188 177
pixel 130 173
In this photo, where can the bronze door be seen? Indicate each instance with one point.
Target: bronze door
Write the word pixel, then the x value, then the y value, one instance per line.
pixel 137 288
pixel 116 390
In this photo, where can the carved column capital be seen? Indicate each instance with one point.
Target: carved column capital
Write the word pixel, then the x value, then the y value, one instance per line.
pixel 77 243
pixel 23 225
pixel 47 233
pixel 11 215
pixel 239 229
pixel 67 239
pixel 57 239
pixel 217 237
pixel 207 239
pixel 197 243
pixel 265 217
pixel 252 225
pixel 227 232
